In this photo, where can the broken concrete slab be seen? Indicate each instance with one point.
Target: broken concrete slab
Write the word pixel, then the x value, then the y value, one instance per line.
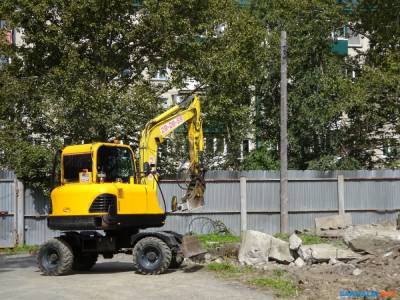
pixel 294 242
pixel 333 222
pixel 258 247
pixel 372 239
pixel 386 231
pixel 331 233
pixel 299 262
pixel 254 248
pixel 376 245
pixel 279 251
pixel 325 252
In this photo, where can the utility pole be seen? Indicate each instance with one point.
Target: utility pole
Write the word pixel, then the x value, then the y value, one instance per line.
pixel 284 138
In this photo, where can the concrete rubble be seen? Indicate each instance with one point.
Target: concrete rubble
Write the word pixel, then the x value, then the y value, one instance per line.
pixel 324 252
pixel 364 243
pixel 372 239
pixel 258 247
pixel 332 226
pixel 294 242
pixel 333 222
pixel 299 262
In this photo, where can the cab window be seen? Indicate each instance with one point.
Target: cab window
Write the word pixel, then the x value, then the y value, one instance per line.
pixel 114 164
pixel 74 164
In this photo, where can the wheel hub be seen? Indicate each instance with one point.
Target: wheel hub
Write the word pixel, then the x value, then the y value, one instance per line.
pixel 151 256
pixel 53 257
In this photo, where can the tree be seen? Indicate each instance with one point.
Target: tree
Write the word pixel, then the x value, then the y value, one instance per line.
pixel 319 90
pixel 83 73
pixel 335 120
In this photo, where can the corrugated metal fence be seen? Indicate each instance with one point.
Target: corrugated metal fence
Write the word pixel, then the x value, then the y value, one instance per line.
pixel 370 196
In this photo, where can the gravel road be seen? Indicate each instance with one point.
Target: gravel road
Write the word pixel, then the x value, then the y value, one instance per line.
pixel 114 279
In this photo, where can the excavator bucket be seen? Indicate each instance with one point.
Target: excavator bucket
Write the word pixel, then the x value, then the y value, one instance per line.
pixel 194 197
pixel 191 246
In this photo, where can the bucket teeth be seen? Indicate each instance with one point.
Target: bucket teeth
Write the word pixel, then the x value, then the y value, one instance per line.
pixel 194 197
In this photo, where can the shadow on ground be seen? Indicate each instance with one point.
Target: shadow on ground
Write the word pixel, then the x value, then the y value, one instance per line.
pixel 9 262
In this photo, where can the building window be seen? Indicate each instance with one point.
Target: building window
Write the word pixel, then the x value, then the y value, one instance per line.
pixel 390 150
pixel 246 147
pixel 354 39
pixel 161 75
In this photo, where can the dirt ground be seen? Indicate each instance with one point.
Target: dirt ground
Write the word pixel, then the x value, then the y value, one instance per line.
pixel 115 279
pixel 380 272
pixel 324 281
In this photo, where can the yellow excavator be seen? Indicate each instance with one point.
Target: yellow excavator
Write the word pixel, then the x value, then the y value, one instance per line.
pixel 105 196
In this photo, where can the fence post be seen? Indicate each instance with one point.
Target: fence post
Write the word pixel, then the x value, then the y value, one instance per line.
pixel 243 205
pixel 20 213
pixel 340 192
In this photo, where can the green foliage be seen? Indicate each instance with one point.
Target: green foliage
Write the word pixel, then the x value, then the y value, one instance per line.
pixel 335 121
pixel 227 269
pixel 83 73
pixel 279 281
pixel 262 158
pixel 310 239
pixel 330 162
pixel 206 239
pixel 20 249
pixel 224 267
pixel 282 236
pixel 379 21
pixel 282 287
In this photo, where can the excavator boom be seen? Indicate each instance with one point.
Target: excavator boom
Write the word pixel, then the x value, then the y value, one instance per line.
pixel 155 132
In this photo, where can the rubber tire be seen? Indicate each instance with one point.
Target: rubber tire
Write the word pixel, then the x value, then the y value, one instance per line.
pixel 176 261
pixel 165 255
pixel 65 255
pixel 84 262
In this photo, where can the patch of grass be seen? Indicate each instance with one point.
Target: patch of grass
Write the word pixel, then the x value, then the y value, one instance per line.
pixel 223 267
pixel 279 272
pixel 309 239
pixel 220 238
pixel 226 268
pixel 216 239
pixel 278 281
pixel 282 236
pixel 282 287
pixel 20 249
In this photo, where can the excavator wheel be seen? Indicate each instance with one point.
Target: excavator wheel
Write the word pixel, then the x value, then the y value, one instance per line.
pixel 55 258
pixel 84 262
pixel 151 256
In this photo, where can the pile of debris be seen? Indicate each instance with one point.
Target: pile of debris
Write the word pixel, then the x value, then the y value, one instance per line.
pixel 361 243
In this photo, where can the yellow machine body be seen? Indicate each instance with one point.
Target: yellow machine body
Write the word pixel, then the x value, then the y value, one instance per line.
pixel 101 188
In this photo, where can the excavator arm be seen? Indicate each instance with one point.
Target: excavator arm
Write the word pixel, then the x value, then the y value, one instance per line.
pixel 155 133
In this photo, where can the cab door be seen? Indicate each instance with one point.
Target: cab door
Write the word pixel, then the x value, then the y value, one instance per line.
pixel 115 165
